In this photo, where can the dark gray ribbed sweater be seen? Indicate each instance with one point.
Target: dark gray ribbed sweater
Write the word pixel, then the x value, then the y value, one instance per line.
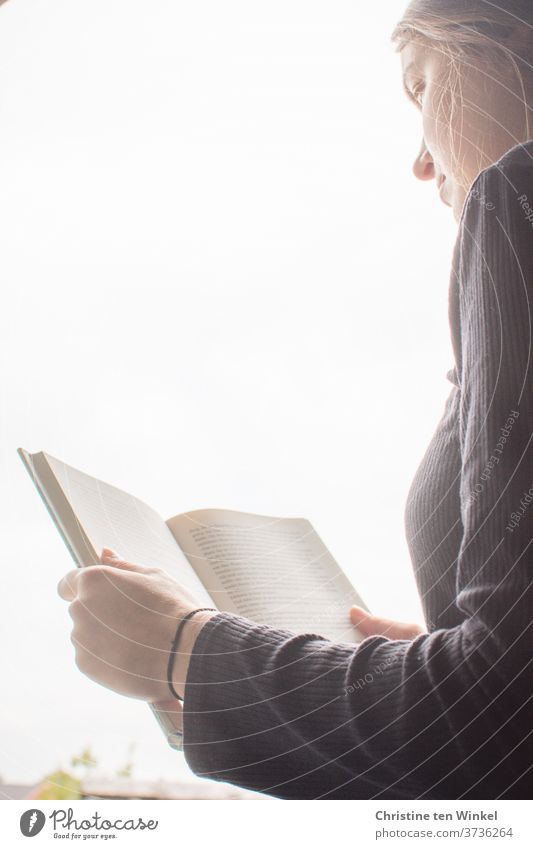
pixel 450 714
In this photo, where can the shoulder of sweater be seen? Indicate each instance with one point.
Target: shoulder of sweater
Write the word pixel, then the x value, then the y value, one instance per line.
pixel 519 155
pixel 517 159
pixel 500 184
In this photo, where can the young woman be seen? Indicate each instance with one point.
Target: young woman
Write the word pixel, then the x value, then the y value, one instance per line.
pixel 446 713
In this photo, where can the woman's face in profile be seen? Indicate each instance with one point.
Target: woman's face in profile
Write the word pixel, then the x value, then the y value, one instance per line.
pixel 470 117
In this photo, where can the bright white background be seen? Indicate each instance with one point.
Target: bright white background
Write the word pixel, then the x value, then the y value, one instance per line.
pixel 221 286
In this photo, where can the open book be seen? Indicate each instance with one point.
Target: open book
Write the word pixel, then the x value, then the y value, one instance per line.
pixel 274 571
pixel 271 570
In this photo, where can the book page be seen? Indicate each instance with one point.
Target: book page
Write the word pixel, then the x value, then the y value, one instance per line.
pixel 274 571
pixel 109 517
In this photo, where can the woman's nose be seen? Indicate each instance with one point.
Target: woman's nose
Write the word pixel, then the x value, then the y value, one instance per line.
pixel 423 167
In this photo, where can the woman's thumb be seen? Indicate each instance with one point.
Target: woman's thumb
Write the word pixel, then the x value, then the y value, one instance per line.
pixel 111 558
pixel 375 625
pixel 109 554
pixel 362 620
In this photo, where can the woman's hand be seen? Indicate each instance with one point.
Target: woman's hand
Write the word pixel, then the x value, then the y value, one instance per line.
pixel 125 617
pixel 370 626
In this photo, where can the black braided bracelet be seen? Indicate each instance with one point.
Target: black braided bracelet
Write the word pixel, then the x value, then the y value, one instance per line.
pixel 174 646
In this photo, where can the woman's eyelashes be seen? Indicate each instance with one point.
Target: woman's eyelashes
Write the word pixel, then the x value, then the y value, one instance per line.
pixel 415 93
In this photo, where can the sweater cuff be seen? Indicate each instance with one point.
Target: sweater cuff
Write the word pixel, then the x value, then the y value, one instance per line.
pixel 231 681
pixel 225 646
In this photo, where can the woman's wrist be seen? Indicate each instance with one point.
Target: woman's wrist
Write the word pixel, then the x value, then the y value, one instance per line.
pixel 185 647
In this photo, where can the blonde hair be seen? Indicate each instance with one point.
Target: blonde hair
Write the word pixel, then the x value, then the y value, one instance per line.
pixel 495 35
pixel 482 28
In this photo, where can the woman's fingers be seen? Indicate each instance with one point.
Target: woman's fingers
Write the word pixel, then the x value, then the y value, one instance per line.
pixel 111 558
pixel 369 626
pixel 124 618
pixel 67 587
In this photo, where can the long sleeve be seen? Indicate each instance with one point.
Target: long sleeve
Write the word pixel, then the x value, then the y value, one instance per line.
pixel 450 714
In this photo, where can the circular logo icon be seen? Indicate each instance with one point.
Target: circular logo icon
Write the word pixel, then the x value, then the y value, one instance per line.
pixel 32 822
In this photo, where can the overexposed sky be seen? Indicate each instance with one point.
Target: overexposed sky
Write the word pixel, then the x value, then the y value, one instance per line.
pixel 222 287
